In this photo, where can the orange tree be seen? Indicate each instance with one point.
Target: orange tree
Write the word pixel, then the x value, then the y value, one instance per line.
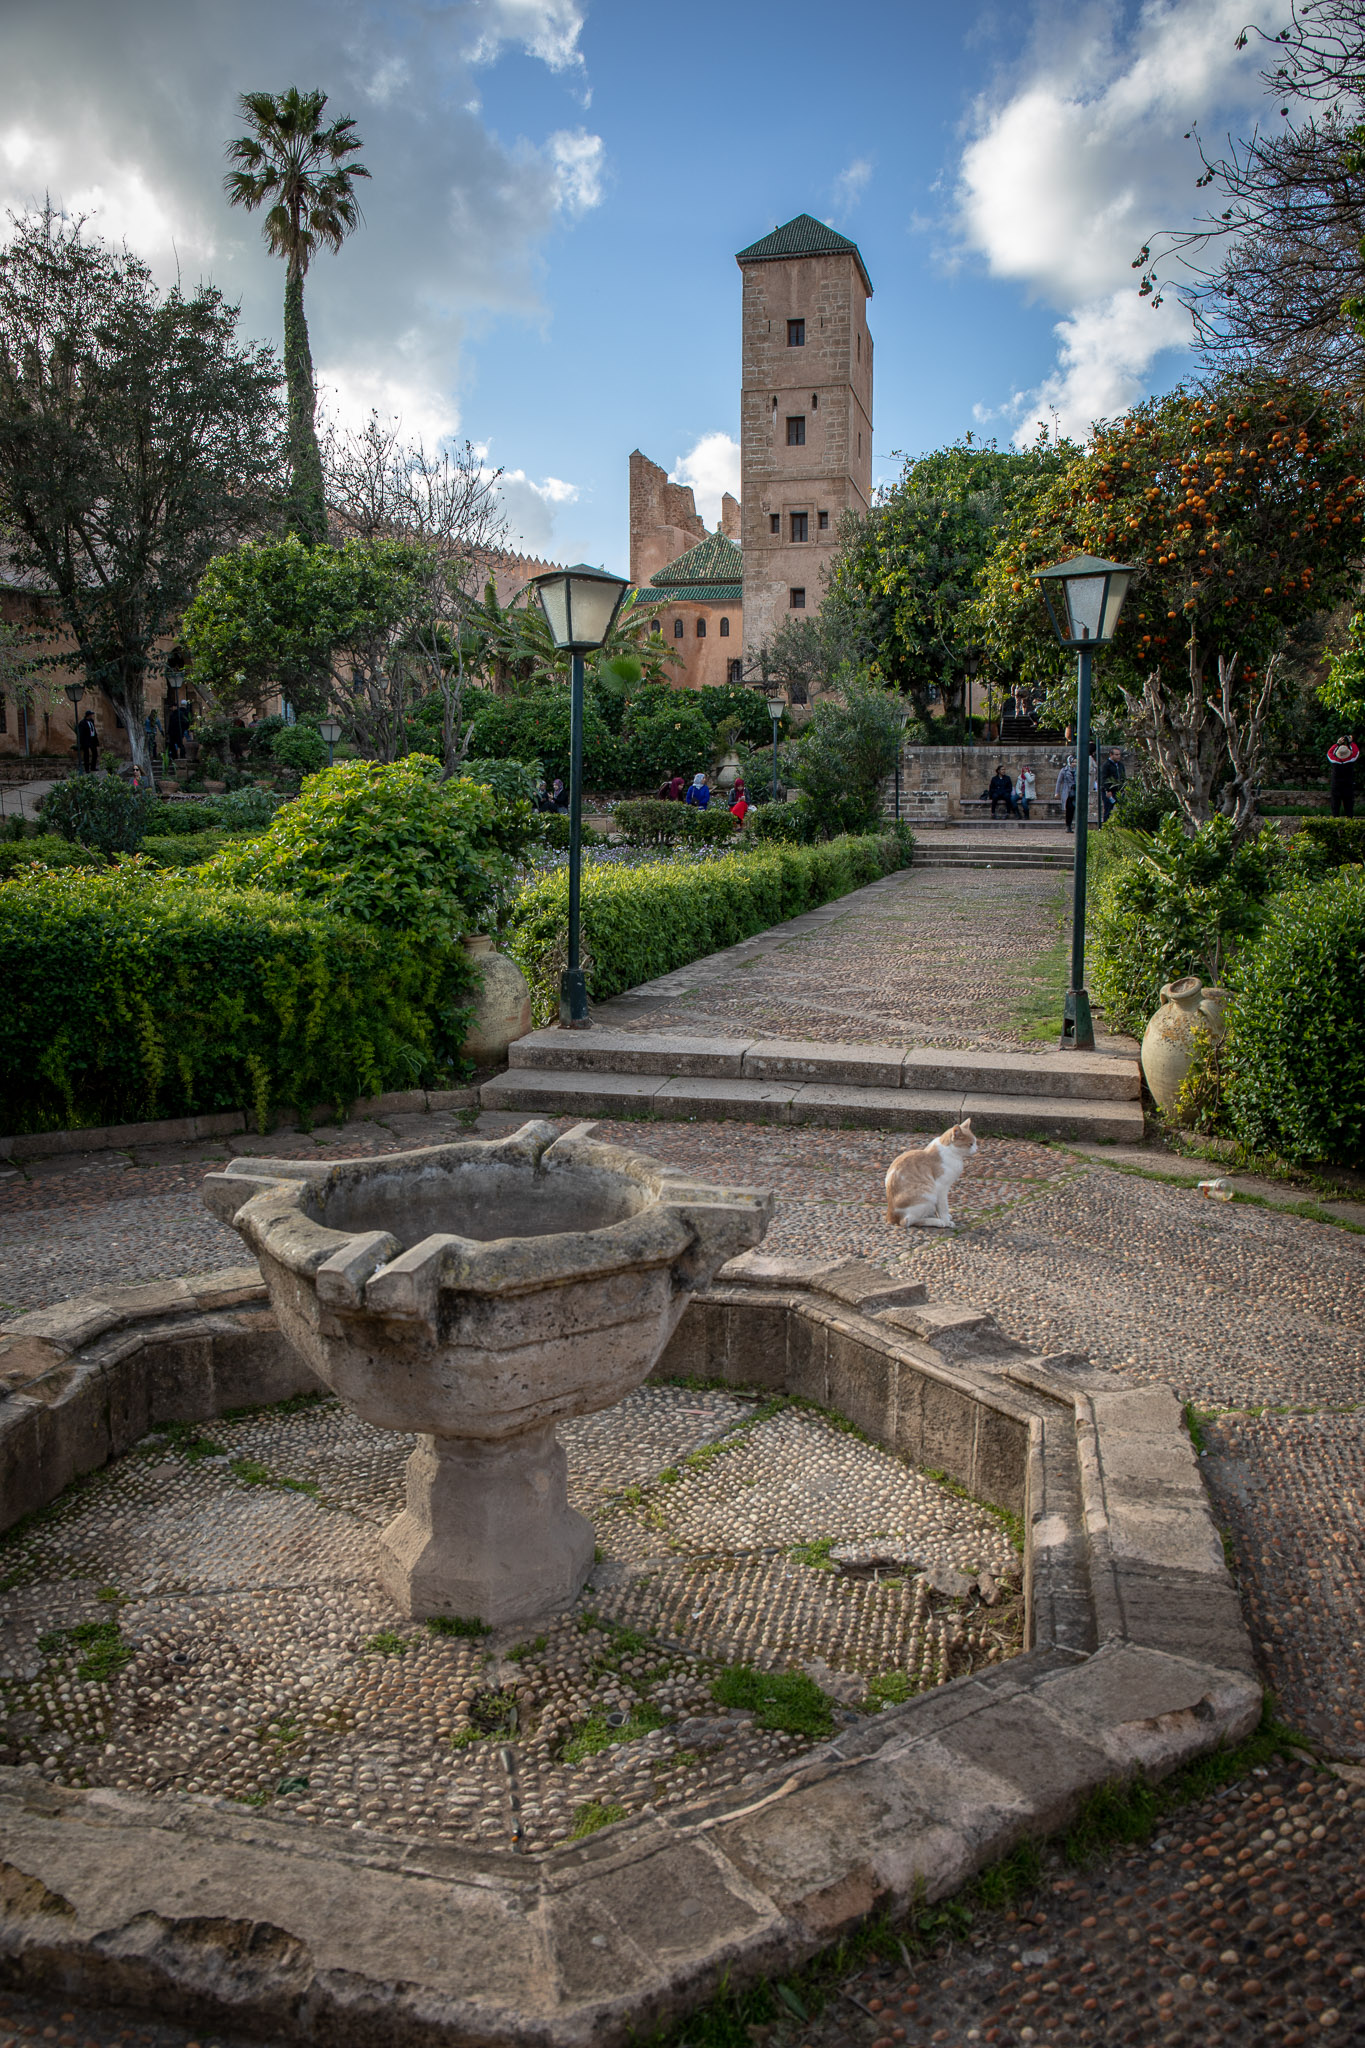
pixel 1241 506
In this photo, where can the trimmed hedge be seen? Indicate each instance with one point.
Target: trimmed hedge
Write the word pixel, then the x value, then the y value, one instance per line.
pixel 1336 842
pixel 653 821
pixel 18 855
pixel 132 995
pixel 1296 1046
pixel 644 921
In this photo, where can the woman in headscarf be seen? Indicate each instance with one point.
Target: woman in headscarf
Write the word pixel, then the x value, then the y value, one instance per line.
pixel 699 794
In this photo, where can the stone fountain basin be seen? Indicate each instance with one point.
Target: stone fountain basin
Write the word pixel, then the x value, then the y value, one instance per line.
pixel 478 1290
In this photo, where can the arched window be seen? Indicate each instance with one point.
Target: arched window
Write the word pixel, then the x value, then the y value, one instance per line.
pixel 701 629
pixel 656 625
pixel 725 629
pixel 677 629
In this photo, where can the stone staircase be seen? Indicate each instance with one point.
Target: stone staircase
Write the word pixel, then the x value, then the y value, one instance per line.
pixel 1004 852
pixel 607 1073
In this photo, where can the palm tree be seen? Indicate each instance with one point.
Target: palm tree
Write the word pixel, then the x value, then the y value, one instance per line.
pixel 303 169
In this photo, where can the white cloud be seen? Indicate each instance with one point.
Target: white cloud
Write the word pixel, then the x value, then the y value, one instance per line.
pixel 1066 178
pixel 578 160
pixel 547 29
pixel 848 186
pixel 530 507
pixel 123 114
pixel 711 466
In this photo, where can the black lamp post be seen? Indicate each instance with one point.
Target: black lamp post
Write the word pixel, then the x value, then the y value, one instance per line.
pixel 580 606
pixel 775 713
pixel 1084 598
pixel 330 730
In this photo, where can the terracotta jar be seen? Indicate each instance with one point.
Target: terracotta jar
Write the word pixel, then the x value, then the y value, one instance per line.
pixel 1166 1049
pixel 1212 1006
pixel 502 1011
pixel 729 770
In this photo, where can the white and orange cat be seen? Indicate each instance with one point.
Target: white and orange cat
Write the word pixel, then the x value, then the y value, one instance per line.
pixel 919 1183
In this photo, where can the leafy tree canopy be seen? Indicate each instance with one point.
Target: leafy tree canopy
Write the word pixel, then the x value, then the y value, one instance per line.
pixel 1240 503
pixel 138 437
pixel 283 614
pixel 903 583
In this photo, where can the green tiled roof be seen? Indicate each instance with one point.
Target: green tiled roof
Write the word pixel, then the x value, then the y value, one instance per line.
pixel 709 573
pixel 803 236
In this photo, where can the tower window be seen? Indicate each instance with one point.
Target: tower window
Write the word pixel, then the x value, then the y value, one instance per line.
pixel 701 629
pixel 824 522
pixel 796 430
pixel 815 401
pixel 677 629
pixel 796 334
pixel 725 629
pixel 800 522
pixel 774 522
pixel 796 598
pixel 859 339
pixel 735 672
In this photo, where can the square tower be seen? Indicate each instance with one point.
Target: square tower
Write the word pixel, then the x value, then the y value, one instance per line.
pixel 805 416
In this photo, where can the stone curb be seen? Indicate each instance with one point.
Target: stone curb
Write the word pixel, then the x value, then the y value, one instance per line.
pixel 1137 1660
pixel 229 1123
pixel 542 1091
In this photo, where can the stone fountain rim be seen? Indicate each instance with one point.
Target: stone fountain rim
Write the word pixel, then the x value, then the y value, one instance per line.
pixel 346 1263
pixel 1140 1661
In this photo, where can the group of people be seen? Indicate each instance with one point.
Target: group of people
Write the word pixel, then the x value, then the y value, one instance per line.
pixel 1017 794
pixel 676 789
pixel 551 797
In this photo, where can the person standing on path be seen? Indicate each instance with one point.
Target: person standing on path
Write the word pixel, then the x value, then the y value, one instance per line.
pixel 1025 791
pixel 88 740
pixel 1066 790
pixel 1342 756
pixel 1113 775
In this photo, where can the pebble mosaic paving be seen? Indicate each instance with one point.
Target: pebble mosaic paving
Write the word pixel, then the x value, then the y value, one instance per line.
pixel 904 963
pixel 203 1617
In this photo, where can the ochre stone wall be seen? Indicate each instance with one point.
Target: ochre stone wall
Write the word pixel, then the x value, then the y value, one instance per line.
pixel 826 383
pixel 664 521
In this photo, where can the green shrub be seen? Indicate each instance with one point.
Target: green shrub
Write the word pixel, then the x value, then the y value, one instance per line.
pixel 784 824
pixel 169 850
pixel 99 810
pixel 18 855
pixel 651 821
pixel 643 921
pixel 1332 842
pixel 178 820
pixel 391 844
pixel 1182 907
pixel 554 832
pixel 132 995
pixel 299 749
pixel 1296 1049
pixel 1141 808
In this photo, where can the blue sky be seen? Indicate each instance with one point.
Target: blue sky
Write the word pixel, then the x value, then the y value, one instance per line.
pixel 559 187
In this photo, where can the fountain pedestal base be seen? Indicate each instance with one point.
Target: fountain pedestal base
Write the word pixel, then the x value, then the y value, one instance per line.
pixel 487 1533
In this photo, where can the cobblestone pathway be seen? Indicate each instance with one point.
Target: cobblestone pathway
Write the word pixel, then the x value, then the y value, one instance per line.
pixel 931 956
pixel 1243 1918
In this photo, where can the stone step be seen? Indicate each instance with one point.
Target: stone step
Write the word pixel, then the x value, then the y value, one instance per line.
pixel 992 857
pixel 1049 1074
pixel 604 1093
